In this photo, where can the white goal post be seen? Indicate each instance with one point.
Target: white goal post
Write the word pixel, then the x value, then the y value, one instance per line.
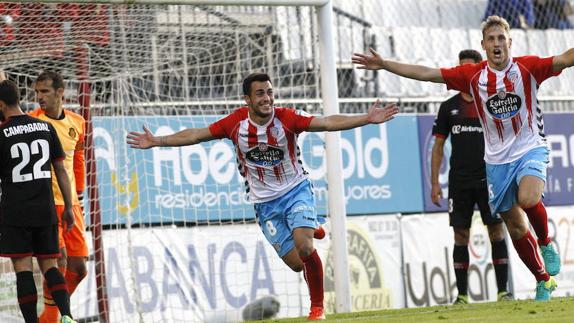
pixel 327 87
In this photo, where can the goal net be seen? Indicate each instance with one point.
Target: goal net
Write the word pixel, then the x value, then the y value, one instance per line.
pixel 172 236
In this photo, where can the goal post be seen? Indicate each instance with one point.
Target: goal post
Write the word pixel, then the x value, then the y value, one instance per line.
pixel 337 208
pixel 172 65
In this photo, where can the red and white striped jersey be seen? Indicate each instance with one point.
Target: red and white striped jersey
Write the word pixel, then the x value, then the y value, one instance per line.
pixel 506 103
pixel 267 155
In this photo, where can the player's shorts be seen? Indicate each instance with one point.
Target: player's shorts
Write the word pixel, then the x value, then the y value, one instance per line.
pixel 74 240
pixel 461 204
pixel 279 217
pixel 41 242
pixel 503 179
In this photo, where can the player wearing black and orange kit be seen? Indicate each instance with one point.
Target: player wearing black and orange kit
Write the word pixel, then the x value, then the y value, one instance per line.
pixel 70 127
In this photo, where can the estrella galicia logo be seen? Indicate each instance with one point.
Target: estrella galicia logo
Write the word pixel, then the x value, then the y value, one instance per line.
pixel 265 155
pixel 503 105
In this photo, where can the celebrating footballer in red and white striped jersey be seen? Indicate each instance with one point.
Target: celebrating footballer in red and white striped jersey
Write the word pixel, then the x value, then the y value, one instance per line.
pixel 516 155
pixel 268 154
pixel 506 103
pixel 265 139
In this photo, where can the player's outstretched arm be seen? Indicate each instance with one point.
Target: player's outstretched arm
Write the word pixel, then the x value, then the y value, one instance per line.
pixel 145 140
pixel 66 189
pixel 563 60
pixel 374 61
pixel 376 114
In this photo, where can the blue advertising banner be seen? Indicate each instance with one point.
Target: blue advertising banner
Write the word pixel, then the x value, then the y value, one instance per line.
pixel 426 143
pixel 201 182
pixel 559 129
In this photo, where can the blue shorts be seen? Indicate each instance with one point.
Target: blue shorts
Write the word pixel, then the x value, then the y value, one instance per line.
pixel 503 179
pixel 279 217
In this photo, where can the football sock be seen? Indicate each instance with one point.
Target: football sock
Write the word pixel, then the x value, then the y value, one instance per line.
pixel 27 295
pixel 73 279
pixel 51 313
pixel 58 289
pixel 313 273
pixel 500 262
pixel 527 250
pixel 539 220
pixel 460 263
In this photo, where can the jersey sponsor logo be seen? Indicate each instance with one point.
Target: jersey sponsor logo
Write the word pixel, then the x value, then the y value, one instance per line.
pixel 454 112
pixel 265 155
pixel 72 132
pixel 458 129
pixel 503 105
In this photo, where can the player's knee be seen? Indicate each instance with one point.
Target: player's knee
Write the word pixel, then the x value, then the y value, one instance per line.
pixel 496 235
pixel 496 232
pixel 81 270
pixel 62 262
pixel 516 229
pixel 461 236
pixel 305 250
pixel 528 200
pixel 296 267
pixel 77 265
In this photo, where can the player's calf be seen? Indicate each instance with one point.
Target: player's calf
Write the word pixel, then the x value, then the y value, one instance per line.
pixel 58 289
pixel 27 295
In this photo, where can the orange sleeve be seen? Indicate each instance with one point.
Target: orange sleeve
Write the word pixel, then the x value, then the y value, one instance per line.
pixel 80 160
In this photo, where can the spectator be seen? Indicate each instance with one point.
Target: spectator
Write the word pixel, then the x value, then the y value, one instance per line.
pixel 518 13
pixel 552 14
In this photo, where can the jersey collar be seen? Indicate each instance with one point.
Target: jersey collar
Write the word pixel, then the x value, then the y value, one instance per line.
pixel 504 70
pixel 264 125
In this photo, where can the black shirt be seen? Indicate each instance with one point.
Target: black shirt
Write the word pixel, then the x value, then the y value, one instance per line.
pixel 27 148
pixel 459 119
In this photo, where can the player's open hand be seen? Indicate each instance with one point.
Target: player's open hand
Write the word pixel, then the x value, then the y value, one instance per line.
pixel 68 218
pixel 377 114
pixel 374 61
pixel 141 140
pixel 436 194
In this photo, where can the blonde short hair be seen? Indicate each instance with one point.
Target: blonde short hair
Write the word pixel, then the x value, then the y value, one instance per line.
pixel 494 21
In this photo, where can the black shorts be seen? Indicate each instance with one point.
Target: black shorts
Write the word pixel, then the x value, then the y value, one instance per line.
pixel 41 242
pixel 461 206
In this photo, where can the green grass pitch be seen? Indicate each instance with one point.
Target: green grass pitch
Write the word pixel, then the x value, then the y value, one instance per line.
pixel 560 309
